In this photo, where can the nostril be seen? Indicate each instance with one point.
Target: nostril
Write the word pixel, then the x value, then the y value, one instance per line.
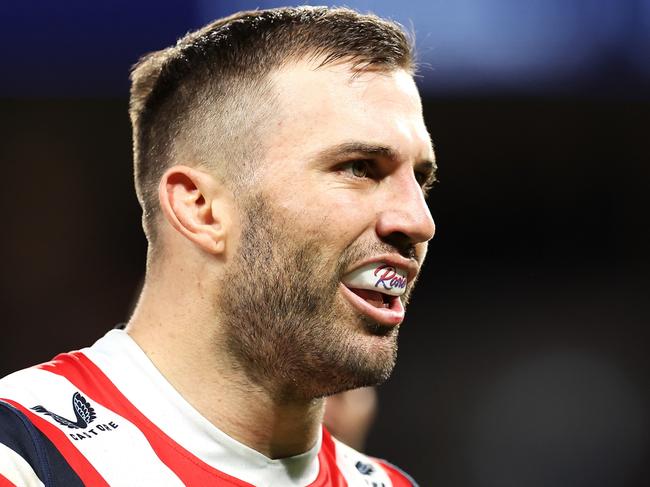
pixel 401 243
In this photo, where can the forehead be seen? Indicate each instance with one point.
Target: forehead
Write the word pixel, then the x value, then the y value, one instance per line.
pixel 325 106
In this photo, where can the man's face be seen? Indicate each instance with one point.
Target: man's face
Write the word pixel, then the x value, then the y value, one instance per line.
pixel 340 187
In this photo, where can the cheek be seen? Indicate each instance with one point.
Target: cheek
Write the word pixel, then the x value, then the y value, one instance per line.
pixel 339 219
pixel 335 222
pixel 312 208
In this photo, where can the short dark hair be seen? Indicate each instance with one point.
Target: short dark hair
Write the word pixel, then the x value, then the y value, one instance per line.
pixel 207 100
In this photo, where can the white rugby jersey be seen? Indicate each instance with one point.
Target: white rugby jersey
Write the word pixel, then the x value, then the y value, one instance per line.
pixel 105 415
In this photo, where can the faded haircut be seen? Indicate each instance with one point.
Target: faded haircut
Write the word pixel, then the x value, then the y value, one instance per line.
pixel 207 101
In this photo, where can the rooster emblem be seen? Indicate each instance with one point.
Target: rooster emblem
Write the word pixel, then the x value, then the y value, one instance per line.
pixel 82 409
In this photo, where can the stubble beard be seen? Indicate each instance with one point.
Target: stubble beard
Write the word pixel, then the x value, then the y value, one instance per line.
pixel 286 324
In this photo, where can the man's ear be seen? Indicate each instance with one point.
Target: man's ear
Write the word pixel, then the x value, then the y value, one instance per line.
pixel 187 199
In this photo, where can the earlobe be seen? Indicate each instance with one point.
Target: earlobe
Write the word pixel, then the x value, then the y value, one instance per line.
pixel 188 202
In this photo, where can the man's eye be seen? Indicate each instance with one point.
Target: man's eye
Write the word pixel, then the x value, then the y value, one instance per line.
pixel 359 168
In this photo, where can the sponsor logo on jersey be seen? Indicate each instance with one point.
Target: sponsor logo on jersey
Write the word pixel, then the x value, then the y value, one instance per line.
pixel 364 468
pixel 368 470
pixel 84 416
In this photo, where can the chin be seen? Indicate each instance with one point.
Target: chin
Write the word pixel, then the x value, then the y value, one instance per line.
pixel 371 363
pixel 371 379
pixel 377 329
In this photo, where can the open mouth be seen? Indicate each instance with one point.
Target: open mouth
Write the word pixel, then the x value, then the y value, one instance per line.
pixel 381 308
pixel 375 298
pixel 374 289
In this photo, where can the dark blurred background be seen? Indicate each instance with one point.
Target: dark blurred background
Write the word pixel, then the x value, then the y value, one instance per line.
pixel 524 357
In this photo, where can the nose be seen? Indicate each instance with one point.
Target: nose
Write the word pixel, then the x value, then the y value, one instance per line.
pixel 403 211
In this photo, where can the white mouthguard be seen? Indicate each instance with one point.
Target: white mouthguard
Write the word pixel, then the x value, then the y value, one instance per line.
pixel 378 276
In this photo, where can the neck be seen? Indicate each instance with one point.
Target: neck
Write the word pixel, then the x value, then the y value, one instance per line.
pixel 186 348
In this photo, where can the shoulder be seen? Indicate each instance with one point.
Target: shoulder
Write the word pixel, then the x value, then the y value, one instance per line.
pixel 29 452
pixel 360 469
pixel 25 390
pixel 27 456
pixel 398 476
pixel 21 461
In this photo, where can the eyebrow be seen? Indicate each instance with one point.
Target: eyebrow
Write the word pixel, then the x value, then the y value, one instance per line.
pixel 374 150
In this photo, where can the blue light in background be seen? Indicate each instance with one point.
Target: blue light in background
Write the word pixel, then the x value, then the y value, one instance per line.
pixel 466 47
pixel 79 48
pixel 505 46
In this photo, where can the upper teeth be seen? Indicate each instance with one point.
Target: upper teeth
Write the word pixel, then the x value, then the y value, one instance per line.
pixel 378 276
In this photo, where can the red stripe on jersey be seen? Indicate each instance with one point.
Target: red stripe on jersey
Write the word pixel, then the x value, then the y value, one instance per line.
pixel 329 474
pixel 4 482
pixel 87 377
pixel 78 463
pixel 396 477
